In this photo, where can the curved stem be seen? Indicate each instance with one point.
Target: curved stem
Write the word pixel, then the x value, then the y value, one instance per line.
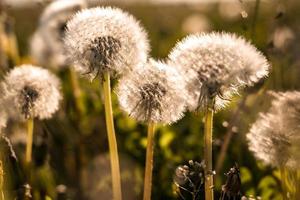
pixel 209 195
pixel 113 149
pixel 29 141
pixel 149 162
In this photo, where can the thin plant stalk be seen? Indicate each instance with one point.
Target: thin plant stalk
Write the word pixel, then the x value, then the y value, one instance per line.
pixel 149 162
pixel 80 108
pixel 113 149
pixel 1 181
pixel 297 184
pixel 77 92
pixel 283 174
pixel 208 126
pixel 255 16
pixel 227 139
pixel 9 40
pixel 30 124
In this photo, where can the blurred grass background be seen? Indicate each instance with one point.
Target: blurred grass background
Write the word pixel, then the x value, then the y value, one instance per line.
pixel 70 151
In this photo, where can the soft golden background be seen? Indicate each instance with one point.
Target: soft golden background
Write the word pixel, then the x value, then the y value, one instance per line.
pixel 70 152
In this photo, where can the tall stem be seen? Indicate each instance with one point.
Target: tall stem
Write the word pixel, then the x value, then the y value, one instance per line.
pixel 77 92
pixel 297 184
pixel 1 181
pixel 253 25
pixel 209 195
pixel 113 149
pixel 80 109
pixel 283 182
pixel 29 141
pixel 149 162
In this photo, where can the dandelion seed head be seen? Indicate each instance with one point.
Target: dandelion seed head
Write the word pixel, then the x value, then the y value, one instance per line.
pixel 274 138
pixel 46 46
pixel 154 93
pixel 60 8
pixel 216 65
pixel 30 91
pixel 105 39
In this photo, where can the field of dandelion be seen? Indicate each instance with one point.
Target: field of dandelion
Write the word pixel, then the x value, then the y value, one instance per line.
pixel 70 151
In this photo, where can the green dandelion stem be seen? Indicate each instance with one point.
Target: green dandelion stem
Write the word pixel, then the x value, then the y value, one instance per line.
pixel 149 162
pixel 29 140
pixel 283 174
pixel 209 195
pixel 77 92
pixel 113 149
pixel 297 184
pixel 1 181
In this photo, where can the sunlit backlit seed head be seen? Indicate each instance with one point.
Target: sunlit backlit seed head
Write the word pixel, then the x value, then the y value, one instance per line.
pixel 47 46
pixel 105 39
pixel 215 65
pixel 274 138
pixel 154 93
pixel 29 92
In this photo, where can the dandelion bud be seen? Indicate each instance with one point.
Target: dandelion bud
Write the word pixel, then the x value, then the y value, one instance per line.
pixel 30 91
pixel 232 188
pixel 47 46
pixel 154 93
pixel 105 39
pixel 274 138
pixel 189 179
pixel 215 65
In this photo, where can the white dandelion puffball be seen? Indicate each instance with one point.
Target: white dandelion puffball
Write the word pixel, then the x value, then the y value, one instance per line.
pixel 29 92
pixel 105 39
pixel 275 137
pixel 154 93
pixel 46 46
pixel 215 65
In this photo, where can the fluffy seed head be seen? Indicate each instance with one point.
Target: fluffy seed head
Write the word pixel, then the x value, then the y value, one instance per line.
pixel 30 91
pixel 275 137
pixel 47 46
pixel 215 65
pixel 105 39
pixel 154 93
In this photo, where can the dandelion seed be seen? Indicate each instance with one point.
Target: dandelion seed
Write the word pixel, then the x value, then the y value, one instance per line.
pixel 215 65
pixel 47 46
pixel 30 91
pixel 274 138
pixel 105 39
pixel 154 93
